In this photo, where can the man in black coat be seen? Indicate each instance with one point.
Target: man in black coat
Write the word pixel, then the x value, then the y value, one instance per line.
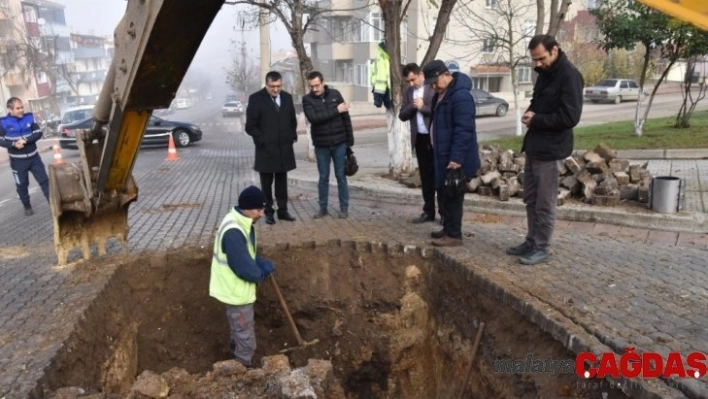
pixel 555 109
pixel 271 121
pixel 332 132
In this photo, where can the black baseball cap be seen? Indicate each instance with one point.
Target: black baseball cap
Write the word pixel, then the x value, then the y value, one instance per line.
pixel 433 70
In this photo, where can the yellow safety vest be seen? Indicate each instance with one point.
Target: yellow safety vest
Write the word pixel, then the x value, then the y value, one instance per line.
pixel 380 73
pixel 224 285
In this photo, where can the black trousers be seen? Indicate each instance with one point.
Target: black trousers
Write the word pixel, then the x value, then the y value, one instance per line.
pixel 451 210
pixel 426 169
pixel 281 190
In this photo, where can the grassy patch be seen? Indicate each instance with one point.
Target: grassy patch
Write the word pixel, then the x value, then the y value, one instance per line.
pixel 658 134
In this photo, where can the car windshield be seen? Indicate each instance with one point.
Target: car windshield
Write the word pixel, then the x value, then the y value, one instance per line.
pixel 77 115
pixel 232 104
pixel 607 83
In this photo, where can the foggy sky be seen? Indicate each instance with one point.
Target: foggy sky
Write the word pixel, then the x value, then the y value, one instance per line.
pixel 100 17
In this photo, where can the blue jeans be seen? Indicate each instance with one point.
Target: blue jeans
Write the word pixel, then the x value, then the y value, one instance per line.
pixel 336 153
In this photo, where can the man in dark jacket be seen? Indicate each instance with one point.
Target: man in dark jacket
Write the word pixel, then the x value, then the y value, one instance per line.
pixel 416 108
pixel 555 109
pixel 454 137
pixel 19 133
pixel 271 121
pixel 332 133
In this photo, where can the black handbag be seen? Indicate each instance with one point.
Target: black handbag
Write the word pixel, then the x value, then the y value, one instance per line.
pixel 455 182
pixel 350 166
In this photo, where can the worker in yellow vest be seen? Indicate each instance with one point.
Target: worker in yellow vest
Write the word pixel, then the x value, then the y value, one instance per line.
pixel 236 270
pixel 380 77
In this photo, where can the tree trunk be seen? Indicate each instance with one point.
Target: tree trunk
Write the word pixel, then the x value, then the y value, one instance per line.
pixel 655 89
pixel 558 18
pixel 305 65
pixel 399 142
pixel 443 18
pixel 553 19
pixel 540 16
pixel 638 119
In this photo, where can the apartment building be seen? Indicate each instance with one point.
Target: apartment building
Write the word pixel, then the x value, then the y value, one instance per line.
pixel 92 58
pixel 16 79
pixel 344 43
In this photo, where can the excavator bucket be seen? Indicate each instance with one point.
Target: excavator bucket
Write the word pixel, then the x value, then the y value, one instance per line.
pixel 78 224
pixel 154 46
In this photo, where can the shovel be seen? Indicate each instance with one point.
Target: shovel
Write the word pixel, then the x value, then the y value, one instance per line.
pixel 300 342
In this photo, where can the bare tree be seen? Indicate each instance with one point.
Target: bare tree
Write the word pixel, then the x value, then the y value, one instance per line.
pixel 691 99
pixel 555 16
pixel 243 73
pixel 30 56
pixel 501 31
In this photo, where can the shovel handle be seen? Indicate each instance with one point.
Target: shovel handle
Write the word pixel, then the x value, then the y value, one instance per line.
pixel 300 341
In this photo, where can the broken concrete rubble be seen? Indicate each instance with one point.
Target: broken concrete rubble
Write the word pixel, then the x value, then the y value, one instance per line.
pixel 595 177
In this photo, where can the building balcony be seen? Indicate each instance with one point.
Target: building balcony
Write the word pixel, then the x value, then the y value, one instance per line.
pixel 342 51
pixel 15 79
pixel 89 52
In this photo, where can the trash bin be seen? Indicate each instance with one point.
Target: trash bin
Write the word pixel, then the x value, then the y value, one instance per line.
pixel 665 194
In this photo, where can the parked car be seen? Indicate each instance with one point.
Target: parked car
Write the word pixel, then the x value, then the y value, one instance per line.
pixel 157 133
pixel 182 103
pixel 613 90
pixel 487 104
pixel 232 108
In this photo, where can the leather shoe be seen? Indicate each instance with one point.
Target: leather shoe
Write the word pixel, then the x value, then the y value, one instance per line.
pixel 424 217
pixel 270 219
pixel 448 241
pixel 438 234
pixel 286 216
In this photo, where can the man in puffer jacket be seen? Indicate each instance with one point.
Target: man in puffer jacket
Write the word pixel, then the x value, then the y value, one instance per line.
pixel 332 132
pixel 19 133
pixel 453 134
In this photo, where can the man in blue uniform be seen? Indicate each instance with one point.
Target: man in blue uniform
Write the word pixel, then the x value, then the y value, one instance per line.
pixel 19 133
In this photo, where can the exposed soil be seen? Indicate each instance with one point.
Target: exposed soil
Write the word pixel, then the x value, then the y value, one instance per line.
pixel 393 324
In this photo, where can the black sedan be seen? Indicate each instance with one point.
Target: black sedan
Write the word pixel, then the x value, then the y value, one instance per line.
pixel 157 133
pixel 487 104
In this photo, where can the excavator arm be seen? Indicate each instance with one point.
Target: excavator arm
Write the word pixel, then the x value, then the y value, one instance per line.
pixel 155 43
pixel 691 11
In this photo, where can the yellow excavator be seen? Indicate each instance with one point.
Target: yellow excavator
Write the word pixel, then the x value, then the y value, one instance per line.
pixel 154 44
pixel 691 11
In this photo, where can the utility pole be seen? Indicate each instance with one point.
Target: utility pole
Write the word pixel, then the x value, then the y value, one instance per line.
pixel 265 42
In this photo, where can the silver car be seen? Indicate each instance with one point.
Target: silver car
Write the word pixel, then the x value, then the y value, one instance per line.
pixel 614 90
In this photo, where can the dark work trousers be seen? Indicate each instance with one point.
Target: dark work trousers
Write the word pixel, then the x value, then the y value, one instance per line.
pixel 281 191
pixel 424 153
pixel 21 167
pixel 452 223
pixel 540 197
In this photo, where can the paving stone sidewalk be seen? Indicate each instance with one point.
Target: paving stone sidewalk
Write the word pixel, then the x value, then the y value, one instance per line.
pixel 613 286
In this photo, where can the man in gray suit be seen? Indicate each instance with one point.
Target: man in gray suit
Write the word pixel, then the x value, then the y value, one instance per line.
pixel 416 108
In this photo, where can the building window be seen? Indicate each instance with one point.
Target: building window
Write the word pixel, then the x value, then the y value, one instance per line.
pixel 343 71
pixel 376 26
pixel 491 4
pixel 523 75
pixel 361 75
pixel 30 14
pixel 488 45
pixel 41 77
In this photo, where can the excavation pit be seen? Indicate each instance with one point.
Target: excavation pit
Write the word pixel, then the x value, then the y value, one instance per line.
pixel 394 321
